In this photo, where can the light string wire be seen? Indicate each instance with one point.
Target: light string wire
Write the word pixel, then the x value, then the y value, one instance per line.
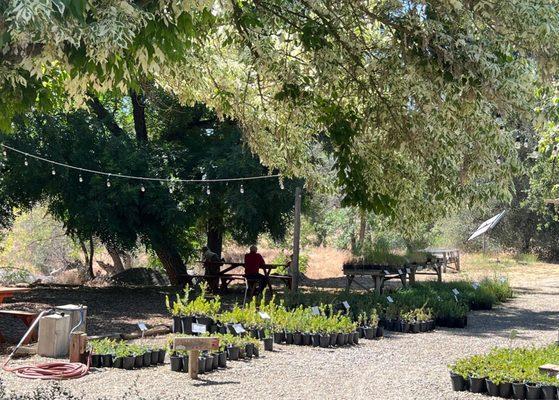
pixel 138 178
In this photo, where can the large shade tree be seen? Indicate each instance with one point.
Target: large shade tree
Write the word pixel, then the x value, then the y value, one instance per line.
pixel 409 97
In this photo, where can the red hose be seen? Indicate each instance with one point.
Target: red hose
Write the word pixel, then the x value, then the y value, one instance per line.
pixel 54 370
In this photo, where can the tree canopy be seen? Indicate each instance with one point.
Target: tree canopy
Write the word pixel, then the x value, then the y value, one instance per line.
pixel 410 99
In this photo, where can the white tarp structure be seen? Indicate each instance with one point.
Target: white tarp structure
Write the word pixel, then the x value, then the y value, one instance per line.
pixel 487 225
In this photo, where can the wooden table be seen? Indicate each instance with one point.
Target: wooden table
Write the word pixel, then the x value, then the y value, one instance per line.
pixel 446 256
pixel 382 273
pixel 26 317
pixel 226 273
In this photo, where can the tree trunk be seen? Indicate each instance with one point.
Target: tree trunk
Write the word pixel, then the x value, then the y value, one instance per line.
pixel 173 264
pixel 91 252
pixel 117 261
pixel 215 235
pixel 139 112
pixel 362 229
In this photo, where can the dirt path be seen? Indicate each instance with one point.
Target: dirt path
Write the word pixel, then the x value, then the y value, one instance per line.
pixel 402 366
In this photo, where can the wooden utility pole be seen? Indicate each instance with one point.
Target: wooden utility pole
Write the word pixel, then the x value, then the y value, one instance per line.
pixel 296 240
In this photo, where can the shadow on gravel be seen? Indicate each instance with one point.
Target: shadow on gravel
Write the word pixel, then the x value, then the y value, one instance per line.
pixel 206 382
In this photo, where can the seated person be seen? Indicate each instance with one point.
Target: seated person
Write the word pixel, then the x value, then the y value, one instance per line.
pixel 212 265
pixel 253 262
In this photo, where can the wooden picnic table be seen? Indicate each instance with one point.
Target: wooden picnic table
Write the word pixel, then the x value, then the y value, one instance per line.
pixel 26 317
pixel 226 275
pixel 446 255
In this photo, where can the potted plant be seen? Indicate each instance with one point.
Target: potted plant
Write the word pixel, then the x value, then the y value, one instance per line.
pixel 176 361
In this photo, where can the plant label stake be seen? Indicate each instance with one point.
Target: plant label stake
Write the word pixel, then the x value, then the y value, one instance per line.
pixel 408 270
pixel 390 299
pixel 455 291
pixel 386 272
pixel 346 305
pixel 238 328
pixel 502 279
pixel 194 345
pixel 263 315
pixel 315 310
pixel 475 285
pixel 198 328
pixel 400 272
pixel 143 328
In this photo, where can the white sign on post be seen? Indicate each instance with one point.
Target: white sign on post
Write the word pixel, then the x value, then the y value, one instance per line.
pixel 315 310
pixel 503 279
pixel 198 328
pixel 142 326
pixel 475 285
pixel 455 291
pixel 346 305
pixel 390 299
pixel 408 270
pixel 239 328
pixel 263 315
pixel 399 272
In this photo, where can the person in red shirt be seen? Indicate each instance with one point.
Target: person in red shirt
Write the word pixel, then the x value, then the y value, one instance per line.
pixel 253 262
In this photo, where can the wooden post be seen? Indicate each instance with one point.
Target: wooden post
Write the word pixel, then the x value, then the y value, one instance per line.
pixel 78 344
pixel 296 240
pixel 193 363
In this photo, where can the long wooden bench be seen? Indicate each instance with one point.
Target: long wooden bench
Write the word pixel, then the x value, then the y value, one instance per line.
pixel 26 317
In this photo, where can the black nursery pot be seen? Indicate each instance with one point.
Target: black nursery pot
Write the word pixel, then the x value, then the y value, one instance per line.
pixel 458 382
pixel 139 361
pixel 222 329
pixel 279 337
pixel 306 339
pixel 186 323
pixel 201 365
pixel 117 362
pixel 147 358
pixel 128 362
pixel 161 356
pixel 369 333
pixel 176 363
pixel 289 338
pixel 333 339
pixel 549 392
pixel 268 344
pixel 324 341
pixel 107 360
pixel 209 362
pixel 177 325
pixel 423 326
pixel 533 392
pixel 340 341
pixel 222 359
pixel 404 327
pixel 215 363
pixel 154 357
pixel 355 337
pixel 96 360
pixel 379 332
pixel 505 389
pixel 298 338
pixel 518 390
pixel 416 327
pixel 361 331
pixel 184 366
pixel 492 388
pixel 233 353
pixel 477 385
pixel 249 350
pixel 315 340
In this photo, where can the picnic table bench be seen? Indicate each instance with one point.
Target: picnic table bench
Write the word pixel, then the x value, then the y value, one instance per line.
pixel 24 316
pixel 227 274
pixel 382 273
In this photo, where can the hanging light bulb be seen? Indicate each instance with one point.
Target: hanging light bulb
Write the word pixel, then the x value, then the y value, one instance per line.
pixel 143 188
pixel 242 190
pixel 281 185
pixel 80 178
pixel 53 172
pixel 108 183
pixel 5 153
pixel 208 190
pixel 26 163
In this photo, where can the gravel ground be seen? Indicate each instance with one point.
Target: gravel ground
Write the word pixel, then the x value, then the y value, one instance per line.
pixel 401 366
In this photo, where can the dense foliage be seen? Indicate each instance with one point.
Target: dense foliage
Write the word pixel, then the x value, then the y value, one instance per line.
pixel 408 97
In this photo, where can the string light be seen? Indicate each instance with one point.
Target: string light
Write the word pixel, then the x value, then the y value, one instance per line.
pixel 133 177
pixel 242 190
pixel 53 172
pixel 80 178
pixel 208 190
pixel 143 189
pixel 281 185
pixel 5 153
pixel 171 190
pixel 108 183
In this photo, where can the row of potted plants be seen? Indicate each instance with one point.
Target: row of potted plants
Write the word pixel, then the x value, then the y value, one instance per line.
pixel 412 321
pixel 118 354
pixel 506 372
pixel 231 348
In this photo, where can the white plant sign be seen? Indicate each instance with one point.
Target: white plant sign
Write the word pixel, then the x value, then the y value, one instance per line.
pixel 315 310
pixel 239 328
pixel 264 315
pixel 198 328
pixel 390 299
